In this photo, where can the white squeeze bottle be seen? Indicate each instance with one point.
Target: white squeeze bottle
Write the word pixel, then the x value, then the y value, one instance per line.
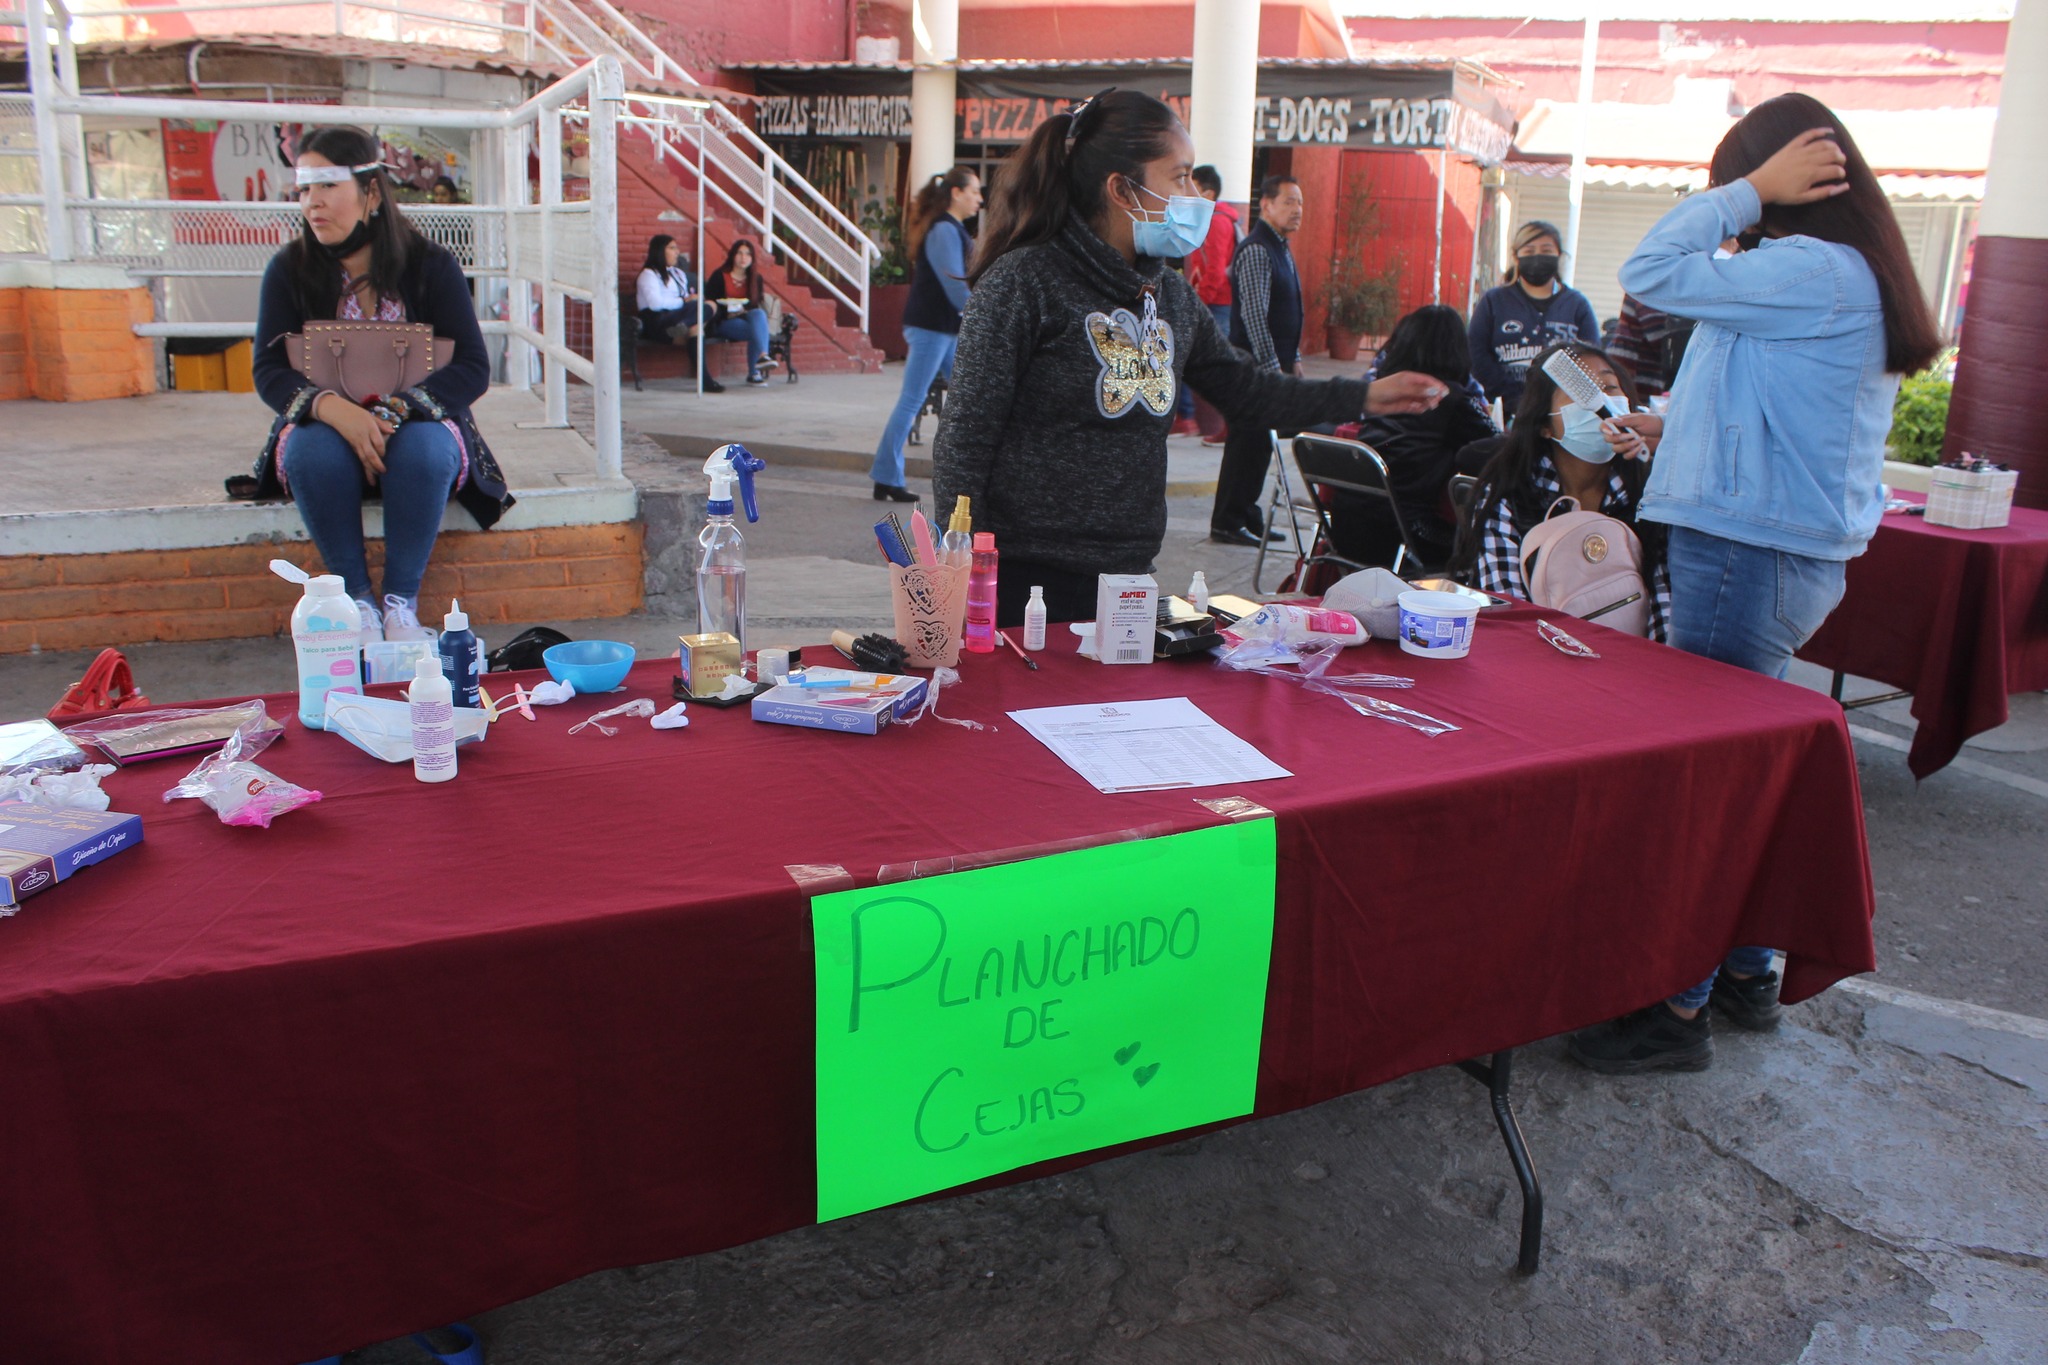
pixel 433 722
pixel 327 634
pixel 1198 591
pixel 1034 620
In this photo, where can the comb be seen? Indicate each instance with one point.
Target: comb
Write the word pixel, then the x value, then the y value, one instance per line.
pixel 1568 374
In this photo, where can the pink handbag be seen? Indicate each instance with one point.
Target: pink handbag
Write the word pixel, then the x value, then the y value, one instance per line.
pixel 363 360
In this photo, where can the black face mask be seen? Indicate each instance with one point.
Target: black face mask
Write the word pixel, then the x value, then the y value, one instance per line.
pixel 358 238
pixel 1536 269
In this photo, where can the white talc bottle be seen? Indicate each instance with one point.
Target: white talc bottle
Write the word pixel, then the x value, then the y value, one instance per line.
pixel 327 635
pixel 433 723
pixel 1034 620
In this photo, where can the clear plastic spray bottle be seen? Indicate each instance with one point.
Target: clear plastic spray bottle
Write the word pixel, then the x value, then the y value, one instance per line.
pixel 722 563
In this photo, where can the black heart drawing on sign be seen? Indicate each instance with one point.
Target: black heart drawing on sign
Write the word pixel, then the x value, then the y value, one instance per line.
pixel 1124 1054
pixel 1145 1073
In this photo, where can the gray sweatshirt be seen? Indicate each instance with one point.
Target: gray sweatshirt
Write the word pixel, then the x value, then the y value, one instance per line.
pixel 1062 398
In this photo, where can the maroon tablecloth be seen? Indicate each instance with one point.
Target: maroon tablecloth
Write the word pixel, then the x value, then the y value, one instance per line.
pixel 419 1050
pixel 1957 618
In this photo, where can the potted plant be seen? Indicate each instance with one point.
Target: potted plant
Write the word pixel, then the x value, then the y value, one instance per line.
pixel 1359 307
pixel 888 278
pixel 1359 303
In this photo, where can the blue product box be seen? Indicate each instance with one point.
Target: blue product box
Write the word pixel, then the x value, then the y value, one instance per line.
pixel 849 713
pixel 41 846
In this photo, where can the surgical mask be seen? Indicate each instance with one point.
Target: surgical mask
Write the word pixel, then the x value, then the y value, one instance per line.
pixel 1536 269
pixel 1180 233
pixel 1583 436
pixel 382 727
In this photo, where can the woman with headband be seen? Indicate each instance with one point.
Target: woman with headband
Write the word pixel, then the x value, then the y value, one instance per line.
pixel 1075 344
pixel 357 258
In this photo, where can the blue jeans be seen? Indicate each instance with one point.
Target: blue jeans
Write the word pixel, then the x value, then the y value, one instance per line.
pixel 750 327
pixel 1751 607
pixel 326 480
pixel 931 355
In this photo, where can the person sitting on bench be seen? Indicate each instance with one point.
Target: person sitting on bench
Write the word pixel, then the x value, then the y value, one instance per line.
pixel 735 293
pixel 670 307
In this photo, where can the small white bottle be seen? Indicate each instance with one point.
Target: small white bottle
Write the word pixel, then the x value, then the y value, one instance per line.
pixel 1034 620
pixel 433 722
pixel 1198 591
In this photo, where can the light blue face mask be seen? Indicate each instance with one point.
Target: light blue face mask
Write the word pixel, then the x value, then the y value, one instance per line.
pixel 1582 435
pixel 1180 233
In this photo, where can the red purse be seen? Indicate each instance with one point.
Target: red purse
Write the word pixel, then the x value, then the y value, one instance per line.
pixel 108 685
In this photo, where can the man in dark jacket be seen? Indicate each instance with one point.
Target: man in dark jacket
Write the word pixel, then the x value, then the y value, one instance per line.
pixel 1265 321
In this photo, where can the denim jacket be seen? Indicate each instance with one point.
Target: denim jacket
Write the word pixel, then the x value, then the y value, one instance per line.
pixel 1775 436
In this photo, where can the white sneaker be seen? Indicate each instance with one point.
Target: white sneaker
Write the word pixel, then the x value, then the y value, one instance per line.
pixel 402 621
pixel 373 624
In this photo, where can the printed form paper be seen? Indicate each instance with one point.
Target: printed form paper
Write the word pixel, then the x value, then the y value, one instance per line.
pixel 1135 746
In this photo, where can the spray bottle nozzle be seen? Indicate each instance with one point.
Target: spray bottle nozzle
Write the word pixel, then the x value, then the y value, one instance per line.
pixel 729 463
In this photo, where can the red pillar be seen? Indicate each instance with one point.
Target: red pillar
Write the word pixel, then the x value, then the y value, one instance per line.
pixel 2000 406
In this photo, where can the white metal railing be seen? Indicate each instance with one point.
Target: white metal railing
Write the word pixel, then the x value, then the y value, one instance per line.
pixel 545 249
pixel 815 241
pixel 727 161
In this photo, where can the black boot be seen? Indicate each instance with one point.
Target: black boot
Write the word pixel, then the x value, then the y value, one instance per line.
pixel 893 492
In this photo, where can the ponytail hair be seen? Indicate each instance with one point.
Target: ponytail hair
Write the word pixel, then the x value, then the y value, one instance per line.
pixel 1061 171
pixel 933 200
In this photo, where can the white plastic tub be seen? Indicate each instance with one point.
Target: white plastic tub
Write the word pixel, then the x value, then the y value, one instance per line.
pixel 1437 625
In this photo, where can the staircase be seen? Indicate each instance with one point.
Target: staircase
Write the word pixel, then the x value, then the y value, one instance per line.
pixel 656 195
pixel 817 259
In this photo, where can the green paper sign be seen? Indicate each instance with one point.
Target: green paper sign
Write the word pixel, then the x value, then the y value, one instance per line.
pixel 977 1022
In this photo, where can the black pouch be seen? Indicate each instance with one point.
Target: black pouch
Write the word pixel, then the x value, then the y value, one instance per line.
pixel 523 650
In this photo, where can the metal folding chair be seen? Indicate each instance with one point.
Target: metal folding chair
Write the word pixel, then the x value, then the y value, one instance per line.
pixel 1351 467
pixel 1282 499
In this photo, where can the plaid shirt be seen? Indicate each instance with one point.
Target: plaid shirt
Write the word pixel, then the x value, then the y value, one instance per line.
pixel 1500 542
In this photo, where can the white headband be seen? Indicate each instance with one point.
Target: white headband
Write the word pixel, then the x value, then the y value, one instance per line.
pixel 332 175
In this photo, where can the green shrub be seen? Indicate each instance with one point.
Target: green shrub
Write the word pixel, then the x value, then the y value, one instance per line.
pixel 1920 415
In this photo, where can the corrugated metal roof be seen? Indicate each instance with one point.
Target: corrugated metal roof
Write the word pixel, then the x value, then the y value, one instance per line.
pixel 1126 63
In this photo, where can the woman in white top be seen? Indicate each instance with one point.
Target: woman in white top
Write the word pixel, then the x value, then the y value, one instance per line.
pixel 669 305
pixel 665 295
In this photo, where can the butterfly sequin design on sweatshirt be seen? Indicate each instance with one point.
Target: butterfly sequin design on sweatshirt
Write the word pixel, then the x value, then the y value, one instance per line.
pixel 1137 361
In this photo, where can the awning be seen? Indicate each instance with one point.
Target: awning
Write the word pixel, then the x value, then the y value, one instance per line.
pixel 1952 189
pixel 1363 106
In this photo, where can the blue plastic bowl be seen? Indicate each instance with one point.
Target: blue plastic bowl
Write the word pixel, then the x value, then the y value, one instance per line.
pixel 589 666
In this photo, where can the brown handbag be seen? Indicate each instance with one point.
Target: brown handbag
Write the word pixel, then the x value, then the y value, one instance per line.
pixel 361 360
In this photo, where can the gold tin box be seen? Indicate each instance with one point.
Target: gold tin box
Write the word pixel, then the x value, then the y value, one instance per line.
pixel 708 660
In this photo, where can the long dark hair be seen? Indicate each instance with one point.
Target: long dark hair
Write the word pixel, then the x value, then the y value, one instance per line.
pixel 933 200
pixel 1862 218
pixel 1510 476
pixel 1060 172
pixel 657 254
pixel 1431 340
pixel 396 246
pixel 753 268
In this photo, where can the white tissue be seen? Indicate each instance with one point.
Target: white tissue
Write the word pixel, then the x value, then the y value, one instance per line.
pixel 671 719
pixel 59 791
pixel 550 693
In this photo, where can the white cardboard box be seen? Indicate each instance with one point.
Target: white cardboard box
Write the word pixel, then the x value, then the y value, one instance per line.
pixel 1126 617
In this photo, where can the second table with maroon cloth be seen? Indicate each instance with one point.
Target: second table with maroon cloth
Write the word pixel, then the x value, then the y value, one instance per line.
pixel 1957 618
pixel 420 1050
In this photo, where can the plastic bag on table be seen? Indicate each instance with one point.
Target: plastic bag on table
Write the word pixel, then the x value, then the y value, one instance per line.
pixel 166 731
pixel 240 792
pixel 59 791
pixel 1312 661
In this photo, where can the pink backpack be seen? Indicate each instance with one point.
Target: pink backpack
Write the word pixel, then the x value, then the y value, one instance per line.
pixel 1588 565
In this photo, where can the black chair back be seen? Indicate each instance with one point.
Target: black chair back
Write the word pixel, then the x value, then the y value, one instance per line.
pixel 1351 467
